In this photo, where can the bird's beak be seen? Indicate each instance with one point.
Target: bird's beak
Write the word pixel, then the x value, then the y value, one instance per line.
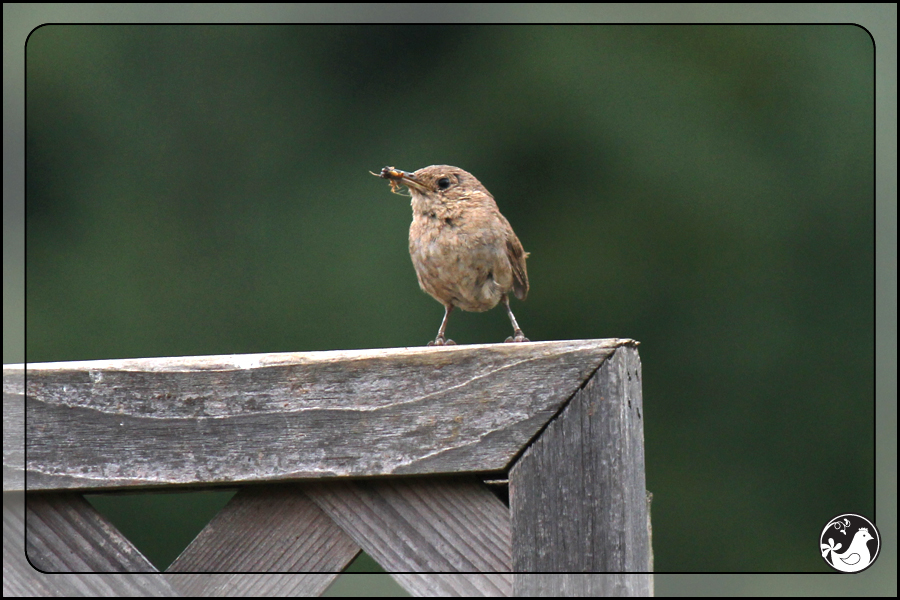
pixel 398 177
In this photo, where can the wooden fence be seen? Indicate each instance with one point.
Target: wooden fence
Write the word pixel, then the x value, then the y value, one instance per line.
pixel 385 451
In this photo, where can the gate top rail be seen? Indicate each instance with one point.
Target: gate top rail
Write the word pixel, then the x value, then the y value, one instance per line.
pixel 228 419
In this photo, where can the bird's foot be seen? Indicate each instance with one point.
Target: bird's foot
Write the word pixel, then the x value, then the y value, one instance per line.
pixel 518 336
pixel 439 341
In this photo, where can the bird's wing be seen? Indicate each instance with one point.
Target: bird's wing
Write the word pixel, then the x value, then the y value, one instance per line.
pixel 517 255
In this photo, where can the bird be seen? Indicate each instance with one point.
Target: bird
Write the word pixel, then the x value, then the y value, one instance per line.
pixel 855 558
pixel 464 251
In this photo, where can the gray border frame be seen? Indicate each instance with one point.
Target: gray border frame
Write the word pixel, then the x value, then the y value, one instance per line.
pixel 879 19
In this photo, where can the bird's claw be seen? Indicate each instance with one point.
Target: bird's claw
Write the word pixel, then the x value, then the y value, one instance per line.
pixel 518 337
pixel 441 342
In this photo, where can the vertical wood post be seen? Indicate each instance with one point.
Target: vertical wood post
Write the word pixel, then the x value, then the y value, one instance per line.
pixel 578 493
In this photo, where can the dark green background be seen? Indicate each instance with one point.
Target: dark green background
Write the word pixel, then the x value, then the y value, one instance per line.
pixel 706 190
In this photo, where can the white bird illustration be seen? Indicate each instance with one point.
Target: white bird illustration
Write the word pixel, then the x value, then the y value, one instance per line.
pixel 856 557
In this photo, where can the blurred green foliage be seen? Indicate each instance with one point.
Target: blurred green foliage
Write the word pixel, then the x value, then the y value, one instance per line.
pixel 707 190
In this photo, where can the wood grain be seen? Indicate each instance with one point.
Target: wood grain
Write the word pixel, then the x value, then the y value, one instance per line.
pixel 65 534
pixel 578 494
pixel 426 525
pixel 13 428
pixel 20 578
pixel 581 585
pixel 218 419
pixel 254 585
pixel 268 528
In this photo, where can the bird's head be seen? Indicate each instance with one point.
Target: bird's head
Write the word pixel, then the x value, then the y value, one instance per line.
pixel 437 184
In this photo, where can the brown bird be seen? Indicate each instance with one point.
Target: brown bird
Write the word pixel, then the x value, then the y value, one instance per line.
pixel 464 251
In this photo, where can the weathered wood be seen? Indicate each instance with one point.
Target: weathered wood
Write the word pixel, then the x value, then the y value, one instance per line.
pixel 578 494
pixel 567 413
pixel 581 585
pixel 421 525
pixel 254 585
pixel 145 422
pixel 650 536
pixel 455 584
pixel 13 428
pixel 68 535
pixel 65 534
pixel 265 529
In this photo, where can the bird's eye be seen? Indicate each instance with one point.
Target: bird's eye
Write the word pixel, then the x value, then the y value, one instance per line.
pixel 444 183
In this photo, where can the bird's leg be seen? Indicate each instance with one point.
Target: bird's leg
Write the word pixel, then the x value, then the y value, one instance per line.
pixel 439 340
pixel 517 335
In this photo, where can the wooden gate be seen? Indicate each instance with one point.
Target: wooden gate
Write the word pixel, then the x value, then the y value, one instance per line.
pixel 405 453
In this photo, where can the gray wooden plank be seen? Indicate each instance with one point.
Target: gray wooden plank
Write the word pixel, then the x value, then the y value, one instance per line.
pixel 267 528
pixel 455 584
pixel 13 429
pixel 426 525
pixel 65 534
pixel 253 585
pixel 581 585
pixel 650 534
pixel 578 493
pixel 146 422
pixel 20 578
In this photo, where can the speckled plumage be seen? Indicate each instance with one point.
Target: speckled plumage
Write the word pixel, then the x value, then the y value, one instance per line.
pixel 464 251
